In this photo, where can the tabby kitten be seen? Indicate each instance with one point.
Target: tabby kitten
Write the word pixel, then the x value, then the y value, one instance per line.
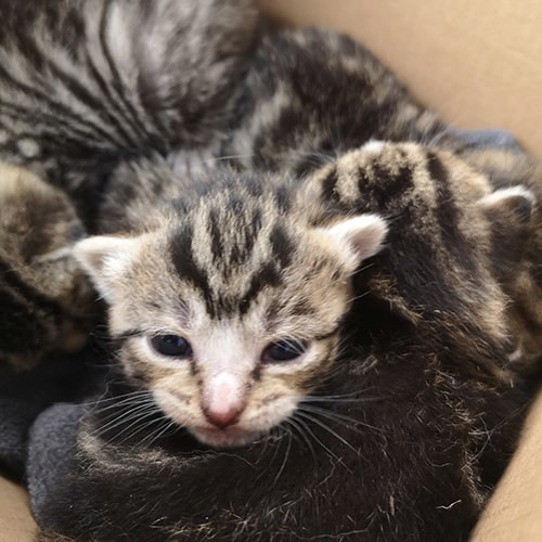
pixel 225 285
pixel 85 84
pixel 46 303
pixel 88 84
pixel 386 391
pixel 213 301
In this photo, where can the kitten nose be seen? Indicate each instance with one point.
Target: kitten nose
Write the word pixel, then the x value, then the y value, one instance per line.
pixel 222 418
pixel 224 403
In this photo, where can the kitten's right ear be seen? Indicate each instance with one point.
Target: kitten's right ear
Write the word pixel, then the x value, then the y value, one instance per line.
pixel 515 204
pixel 510 214
pixel 105 259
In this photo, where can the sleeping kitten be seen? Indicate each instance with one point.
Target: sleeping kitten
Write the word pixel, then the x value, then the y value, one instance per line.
pixel 373 349
pixel 213 301
pixel 87 83
pixel 46 304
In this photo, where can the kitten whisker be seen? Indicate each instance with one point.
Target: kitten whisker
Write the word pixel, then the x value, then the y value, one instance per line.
pixel 285 459
pixel 228 157
pixel 138 419
pixel 329 430
pixel 162 425
pixel 353 400
pixel 292 422
pixel 355 395
pixel 127 416
pixel 306 427
pixel 339 417
pixel 118 399
pixel 168 427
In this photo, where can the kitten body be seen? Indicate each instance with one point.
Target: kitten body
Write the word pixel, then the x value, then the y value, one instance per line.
pixel 86 84
pixel 422 388
pixel 80 92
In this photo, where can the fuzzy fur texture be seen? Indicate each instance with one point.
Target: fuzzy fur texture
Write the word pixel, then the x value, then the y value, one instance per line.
pixel 82 90
pixel 229 174
pixel 401 434
pixel 46 303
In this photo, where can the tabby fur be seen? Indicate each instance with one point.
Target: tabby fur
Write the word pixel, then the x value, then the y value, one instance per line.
pixel 46 303
pixel 87 83
pixel 402 423
pixel 421 390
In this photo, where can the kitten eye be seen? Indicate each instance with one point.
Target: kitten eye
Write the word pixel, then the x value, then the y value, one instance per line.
pixel 283 351
pixel 172 346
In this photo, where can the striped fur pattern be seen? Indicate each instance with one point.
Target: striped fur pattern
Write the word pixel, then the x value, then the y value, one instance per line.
pixel 522 279
pixel 311 95
pixel 239 271
pixel 46 303
pixel 86 83
pixel 238 266
pixel 419 405
pixel 383 273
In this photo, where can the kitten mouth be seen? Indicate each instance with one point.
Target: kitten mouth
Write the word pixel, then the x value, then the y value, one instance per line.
pixel 229 437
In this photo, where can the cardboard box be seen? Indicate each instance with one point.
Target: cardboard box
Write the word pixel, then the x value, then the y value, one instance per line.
pixel 478 64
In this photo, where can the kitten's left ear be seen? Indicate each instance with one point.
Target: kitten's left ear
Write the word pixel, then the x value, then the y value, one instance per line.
pixel 356 238
pixel 105 259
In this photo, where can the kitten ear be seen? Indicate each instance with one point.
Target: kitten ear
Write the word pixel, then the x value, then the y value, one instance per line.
pixel 105 260
pixel 356 238
pixel 510 215
pixel 516 202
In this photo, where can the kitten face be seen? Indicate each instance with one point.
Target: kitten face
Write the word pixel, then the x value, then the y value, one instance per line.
pixel 230 327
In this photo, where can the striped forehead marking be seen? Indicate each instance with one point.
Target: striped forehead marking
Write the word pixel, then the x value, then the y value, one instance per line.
pixel 231 245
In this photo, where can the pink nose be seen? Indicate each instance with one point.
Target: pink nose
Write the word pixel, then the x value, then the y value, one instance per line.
pixel 223 417
pixel 223 403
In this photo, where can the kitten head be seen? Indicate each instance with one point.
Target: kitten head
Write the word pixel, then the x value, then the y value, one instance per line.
pixel 230 312
pixel 47 302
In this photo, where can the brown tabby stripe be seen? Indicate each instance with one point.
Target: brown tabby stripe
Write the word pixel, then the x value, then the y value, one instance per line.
pixel 217 245
pixel 329 184
pixel 267 275
pixel 282 246
pixel 59 109
pixel 448 215
pixel 79 92
pixel 395 186
pixel 185 266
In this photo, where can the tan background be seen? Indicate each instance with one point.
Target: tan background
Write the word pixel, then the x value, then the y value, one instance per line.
pixel 478 63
